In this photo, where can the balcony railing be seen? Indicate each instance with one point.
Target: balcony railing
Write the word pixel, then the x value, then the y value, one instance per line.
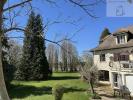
pixel 122 66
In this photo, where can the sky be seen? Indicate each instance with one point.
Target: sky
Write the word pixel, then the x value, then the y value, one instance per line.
pixel 86 29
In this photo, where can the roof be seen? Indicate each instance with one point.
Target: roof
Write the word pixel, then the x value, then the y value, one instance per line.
pixel 110 43
pixel 127 29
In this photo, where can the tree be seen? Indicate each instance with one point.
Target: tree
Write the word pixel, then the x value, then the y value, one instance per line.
pixel 40 66
pixel 4 9
pixel 89 72
pixel 69 56
pixel 64 56
pixel 53 56
pixel 34 62
pixel 50 54
pixel 8 68
pixel 24 70
pixel 72 57
pixel 104 34
pixel 87 58
pixel 14 53
pixel 56 59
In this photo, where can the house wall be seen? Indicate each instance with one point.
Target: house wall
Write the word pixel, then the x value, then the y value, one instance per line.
pixel 131 56
pixel 102 65
pixel 122 77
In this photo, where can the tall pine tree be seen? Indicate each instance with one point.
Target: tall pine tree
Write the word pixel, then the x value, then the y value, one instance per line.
pixel 40 65
pixel 34 65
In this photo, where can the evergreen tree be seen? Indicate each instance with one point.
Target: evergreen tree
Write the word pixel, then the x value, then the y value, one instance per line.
pixel 24 70
pixel 104 34
pixel 34 65
pixel 40 65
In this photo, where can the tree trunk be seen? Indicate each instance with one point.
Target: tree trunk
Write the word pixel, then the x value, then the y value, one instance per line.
pixel 92 88
pixel 3 90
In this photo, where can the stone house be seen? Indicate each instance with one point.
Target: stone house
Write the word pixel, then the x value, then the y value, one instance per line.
pixel 114 58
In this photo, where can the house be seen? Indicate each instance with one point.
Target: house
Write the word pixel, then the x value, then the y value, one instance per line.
pixel 114 58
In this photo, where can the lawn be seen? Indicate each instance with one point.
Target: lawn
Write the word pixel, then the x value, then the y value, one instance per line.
pixel 34 90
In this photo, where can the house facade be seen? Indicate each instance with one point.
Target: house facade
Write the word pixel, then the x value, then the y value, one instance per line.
pixel 114 59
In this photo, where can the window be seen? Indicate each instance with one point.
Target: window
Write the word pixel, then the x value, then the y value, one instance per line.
pixel 121 39
pixel 103 75
pixel 125 65
pixel 102 57
pixel 115 79
pixel 119 57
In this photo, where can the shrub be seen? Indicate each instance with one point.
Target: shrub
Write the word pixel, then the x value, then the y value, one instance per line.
pixel 58 91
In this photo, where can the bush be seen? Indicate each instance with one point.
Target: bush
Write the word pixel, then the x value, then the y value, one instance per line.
pixel 58 91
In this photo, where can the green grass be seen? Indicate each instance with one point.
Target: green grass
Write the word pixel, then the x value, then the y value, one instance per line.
pixel 42 90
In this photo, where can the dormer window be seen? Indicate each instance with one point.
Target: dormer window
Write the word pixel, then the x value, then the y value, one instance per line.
pixel 121 39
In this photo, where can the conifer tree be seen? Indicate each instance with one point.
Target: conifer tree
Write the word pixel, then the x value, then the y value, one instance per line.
pixel 24 70
pixel 104 34
pixel 34 65
pixel 40 65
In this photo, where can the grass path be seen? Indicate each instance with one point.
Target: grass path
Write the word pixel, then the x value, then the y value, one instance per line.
pixel 34 90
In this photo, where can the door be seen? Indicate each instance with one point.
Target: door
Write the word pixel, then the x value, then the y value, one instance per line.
pixel 129 83
pixel 115 79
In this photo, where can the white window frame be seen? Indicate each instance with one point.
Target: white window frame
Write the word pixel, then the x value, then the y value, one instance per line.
pixel 121 39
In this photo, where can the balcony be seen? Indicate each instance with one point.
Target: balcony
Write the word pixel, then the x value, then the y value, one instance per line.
pixel 122 66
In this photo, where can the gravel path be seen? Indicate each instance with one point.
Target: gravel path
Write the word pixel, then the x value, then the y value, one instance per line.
pixel 106 92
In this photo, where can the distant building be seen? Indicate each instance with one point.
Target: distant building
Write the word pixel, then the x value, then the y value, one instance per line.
pixel 114 58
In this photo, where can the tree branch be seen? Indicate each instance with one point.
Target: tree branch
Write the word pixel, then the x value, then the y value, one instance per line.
pixel 21 29
pixel 14 29
pixel 83 7
pixel 16 5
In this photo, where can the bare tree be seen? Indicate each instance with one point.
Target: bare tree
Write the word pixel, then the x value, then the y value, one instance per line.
pixel 88 71
pixel 69 56
pixel 14 53
pixel 63 54
pixel 52 56
pixel 90 74
pixel 9 10
pixel 56 59
pixel 72 57
pixel 87 58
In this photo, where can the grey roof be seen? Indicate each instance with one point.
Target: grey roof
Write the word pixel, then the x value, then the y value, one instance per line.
pixel 110 43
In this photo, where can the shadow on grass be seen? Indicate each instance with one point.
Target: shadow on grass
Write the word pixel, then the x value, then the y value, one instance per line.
pixel 64 77
pixel 22 91
pixel 73 89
